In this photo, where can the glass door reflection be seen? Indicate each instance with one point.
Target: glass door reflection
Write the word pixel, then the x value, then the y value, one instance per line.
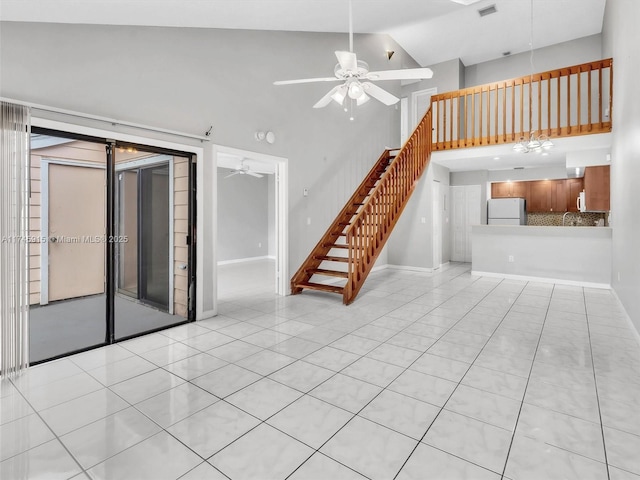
pixel 67 253
pixel 146 219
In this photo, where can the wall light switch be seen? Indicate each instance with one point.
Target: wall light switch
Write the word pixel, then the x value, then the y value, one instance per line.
pixel 423 220
pixel 511 259
pixel 308 220
pixel 305 192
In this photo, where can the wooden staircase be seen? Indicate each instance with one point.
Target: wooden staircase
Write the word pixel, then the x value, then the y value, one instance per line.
pixel 349 248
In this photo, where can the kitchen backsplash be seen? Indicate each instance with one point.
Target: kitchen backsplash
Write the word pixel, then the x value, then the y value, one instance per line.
pixel 553 219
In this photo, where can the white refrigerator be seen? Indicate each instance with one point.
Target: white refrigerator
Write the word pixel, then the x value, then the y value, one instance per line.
pixel 506 211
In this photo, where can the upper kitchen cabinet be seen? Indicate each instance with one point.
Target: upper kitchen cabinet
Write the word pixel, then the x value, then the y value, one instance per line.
pixel 558 195
pixel 539 196
pixel 597 185
pixel 510 189
pixel 573 187
pixel 543 195
pixel 547 196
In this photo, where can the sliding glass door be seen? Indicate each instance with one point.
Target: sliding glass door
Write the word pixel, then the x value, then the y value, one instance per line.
pixel 154 236
pixel 67 252
pixel 114 242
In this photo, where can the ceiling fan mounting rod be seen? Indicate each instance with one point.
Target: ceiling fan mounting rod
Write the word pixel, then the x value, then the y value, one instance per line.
pixel 350 26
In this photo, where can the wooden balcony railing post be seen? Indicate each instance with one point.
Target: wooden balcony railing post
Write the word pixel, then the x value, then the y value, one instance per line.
pixel 476 124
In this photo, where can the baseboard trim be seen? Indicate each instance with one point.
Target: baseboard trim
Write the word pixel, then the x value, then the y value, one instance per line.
pixel 411 269
pixel 526 278
pixel 248 259
pixel 627 317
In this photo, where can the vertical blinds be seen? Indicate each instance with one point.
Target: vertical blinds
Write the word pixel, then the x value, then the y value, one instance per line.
pixel 14 242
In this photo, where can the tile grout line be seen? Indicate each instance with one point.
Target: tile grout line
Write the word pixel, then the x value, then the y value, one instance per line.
pixel 55 435
pixel 458 384
pixel 373 398
pixel 524 394
pixel 595 380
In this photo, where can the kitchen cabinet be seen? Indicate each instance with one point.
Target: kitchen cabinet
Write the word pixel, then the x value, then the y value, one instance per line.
pixel 547 196
pixel 573 187
pixel 597 185
pixel 544 195
pixel 558 195
pixel 509 189
pixel 539 196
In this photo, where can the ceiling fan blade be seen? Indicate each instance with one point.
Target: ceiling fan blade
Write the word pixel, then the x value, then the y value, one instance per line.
pixel 307 80
pixel 326 100
pixel 404 74
pixel 379 94
pixel 232 174
pixel 257 175
pixel 347 60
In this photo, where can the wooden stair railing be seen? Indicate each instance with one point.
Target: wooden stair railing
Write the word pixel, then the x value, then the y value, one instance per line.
pixel 366 221
pixel 569 101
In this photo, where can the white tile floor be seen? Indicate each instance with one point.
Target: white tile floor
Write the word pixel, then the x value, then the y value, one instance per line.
pixel 425 376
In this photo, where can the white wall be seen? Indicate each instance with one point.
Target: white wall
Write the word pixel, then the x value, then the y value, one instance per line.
pixel 621 38
pixel 190 79
pixel 243 214
pixel 580 255
pixel 411 243
pixel 574 52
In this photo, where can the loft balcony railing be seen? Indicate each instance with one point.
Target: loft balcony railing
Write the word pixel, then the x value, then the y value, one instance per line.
pixel 559 103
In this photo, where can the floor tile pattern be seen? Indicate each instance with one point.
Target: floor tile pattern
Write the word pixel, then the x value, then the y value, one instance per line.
pixel 426 376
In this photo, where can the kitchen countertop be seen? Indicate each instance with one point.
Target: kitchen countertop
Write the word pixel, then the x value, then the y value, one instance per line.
pixel 533 230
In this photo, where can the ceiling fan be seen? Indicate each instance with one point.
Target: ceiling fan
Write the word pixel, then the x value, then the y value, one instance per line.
pixel 357 79
pixel 243 169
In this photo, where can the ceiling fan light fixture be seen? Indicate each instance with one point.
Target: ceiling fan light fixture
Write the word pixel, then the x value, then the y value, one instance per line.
pixel 362 99
pixel 339 96
pixel 355 90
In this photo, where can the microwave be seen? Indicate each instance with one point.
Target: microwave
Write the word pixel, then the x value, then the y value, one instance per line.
pixel 581 202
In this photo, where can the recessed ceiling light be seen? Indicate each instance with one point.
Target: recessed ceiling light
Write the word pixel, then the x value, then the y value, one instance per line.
pixel 496 158
pixel 545 154
pixel 465 2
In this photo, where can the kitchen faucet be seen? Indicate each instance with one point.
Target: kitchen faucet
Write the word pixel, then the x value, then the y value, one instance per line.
pixel 563 217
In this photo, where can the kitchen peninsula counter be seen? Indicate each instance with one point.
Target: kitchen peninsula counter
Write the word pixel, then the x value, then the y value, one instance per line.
pixel 570 255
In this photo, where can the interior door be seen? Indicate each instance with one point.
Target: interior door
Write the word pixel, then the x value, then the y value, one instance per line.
pixel 76 231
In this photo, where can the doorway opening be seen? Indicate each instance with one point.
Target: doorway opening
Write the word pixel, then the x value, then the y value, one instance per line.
pixel 112 220
pixel 251 224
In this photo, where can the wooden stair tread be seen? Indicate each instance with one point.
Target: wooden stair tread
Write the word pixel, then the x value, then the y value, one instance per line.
pixel 336 245
pixel 321 286
pixel 328 273
pixel 330 258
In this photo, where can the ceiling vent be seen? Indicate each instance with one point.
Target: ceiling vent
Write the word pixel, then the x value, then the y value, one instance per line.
pixel 518 168
pixel 487 10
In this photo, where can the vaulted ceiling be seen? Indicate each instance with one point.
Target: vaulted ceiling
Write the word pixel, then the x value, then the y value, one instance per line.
pixel 431 31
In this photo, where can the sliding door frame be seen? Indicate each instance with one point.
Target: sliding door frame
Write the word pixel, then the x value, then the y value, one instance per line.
pixel 110 139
